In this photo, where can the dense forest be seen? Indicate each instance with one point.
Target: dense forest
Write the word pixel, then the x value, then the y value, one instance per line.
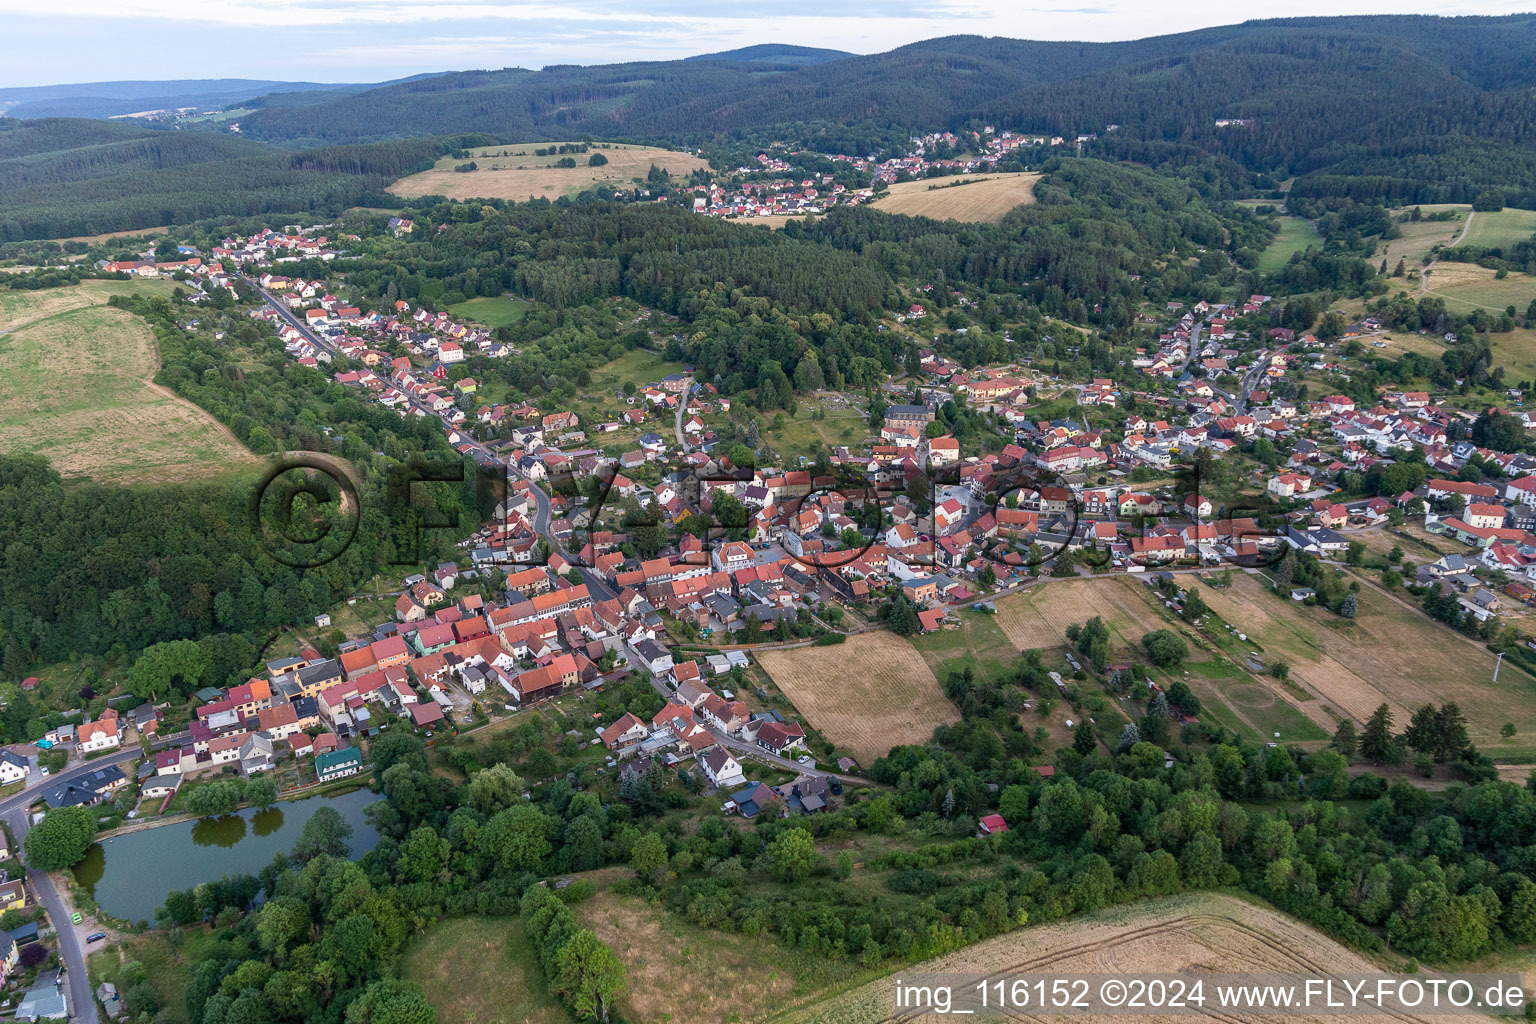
pixel 68 177
pixel 108 571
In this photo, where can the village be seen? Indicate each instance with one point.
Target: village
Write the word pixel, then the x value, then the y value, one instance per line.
pixel 1111 484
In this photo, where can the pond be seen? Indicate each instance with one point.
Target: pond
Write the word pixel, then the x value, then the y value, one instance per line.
pixel 130 875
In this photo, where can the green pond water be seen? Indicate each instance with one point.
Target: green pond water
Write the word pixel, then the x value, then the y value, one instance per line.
pixel 130 875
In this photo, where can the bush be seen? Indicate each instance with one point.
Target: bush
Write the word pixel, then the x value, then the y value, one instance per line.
pixel 61 838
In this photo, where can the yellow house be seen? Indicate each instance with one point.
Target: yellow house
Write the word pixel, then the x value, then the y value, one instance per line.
pixel 13 896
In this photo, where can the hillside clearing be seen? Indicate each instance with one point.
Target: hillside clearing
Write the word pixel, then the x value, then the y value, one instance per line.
pixel 983 198
pixel 866 695
pixel 520 175
pixel 1203 933
pixel 498 311
pixel 1296 234
pixel 1467 286
pixel 1502 229
pixel 76 387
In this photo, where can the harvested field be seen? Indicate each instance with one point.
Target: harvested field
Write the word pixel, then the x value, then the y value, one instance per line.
pixel 76 387
pixel 1039 617
pixel 1196 934
pixel 867 695
pixel 1391 653
pixel 684 974
pixel 983 197
pixel 520 175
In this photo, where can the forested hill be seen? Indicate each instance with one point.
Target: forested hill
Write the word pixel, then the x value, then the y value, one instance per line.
pixel 63 177
pixel 777 53
pixel 1436 108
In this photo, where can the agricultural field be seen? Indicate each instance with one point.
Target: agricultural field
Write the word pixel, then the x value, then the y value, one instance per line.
pixel 482 969
pixel 1502 229
pixel 492 312
pixel 76 386
pixel 1203 933
pixel 984 198
pixel 1039 616
pixel 1296 234
pixel 1419 237
pixel 520 175
pixel 1391 653
pixel 866 695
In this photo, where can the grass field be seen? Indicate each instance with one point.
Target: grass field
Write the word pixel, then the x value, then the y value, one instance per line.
pixel 978 642
pixel 1467 286
pixel 1389 654
pixel 520 175
pixel 684 974
pixel 492 312
pixel 1419 237
pixel 107 236
pixel 866 696
pixel 168 963
pixel 483 970
pixel 1502 229
pixel 1296 233
pixel 1197 934
pixel 984 197
pixel 76 387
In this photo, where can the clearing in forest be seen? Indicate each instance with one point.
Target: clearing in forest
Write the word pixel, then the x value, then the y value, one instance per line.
pixel 982 198
pixel 520 175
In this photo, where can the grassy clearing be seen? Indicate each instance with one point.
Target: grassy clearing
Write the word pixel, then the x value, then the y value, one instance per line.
pixel 984 198
pixel 1502 229
pixel 684 974
pixel 1467 286
pixel 521 175
pixel 482 969
pixel 1296 234
pixel 1417 238
pixel 76 387
pixel 1516 352
pixel 978 642
pixel 822 420
pixel 492 312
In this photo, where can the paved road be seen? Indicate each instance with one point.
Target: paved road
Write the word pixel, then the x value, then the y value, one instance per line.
pixel 682 408
pixel 82 1001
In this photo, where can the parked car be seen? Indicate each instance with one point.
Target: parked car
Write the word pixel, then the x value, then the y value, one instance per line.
pixel 95 936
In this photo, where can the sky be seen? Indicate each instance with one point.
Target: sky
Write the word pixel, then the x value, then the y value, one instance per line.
pixel 377 40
